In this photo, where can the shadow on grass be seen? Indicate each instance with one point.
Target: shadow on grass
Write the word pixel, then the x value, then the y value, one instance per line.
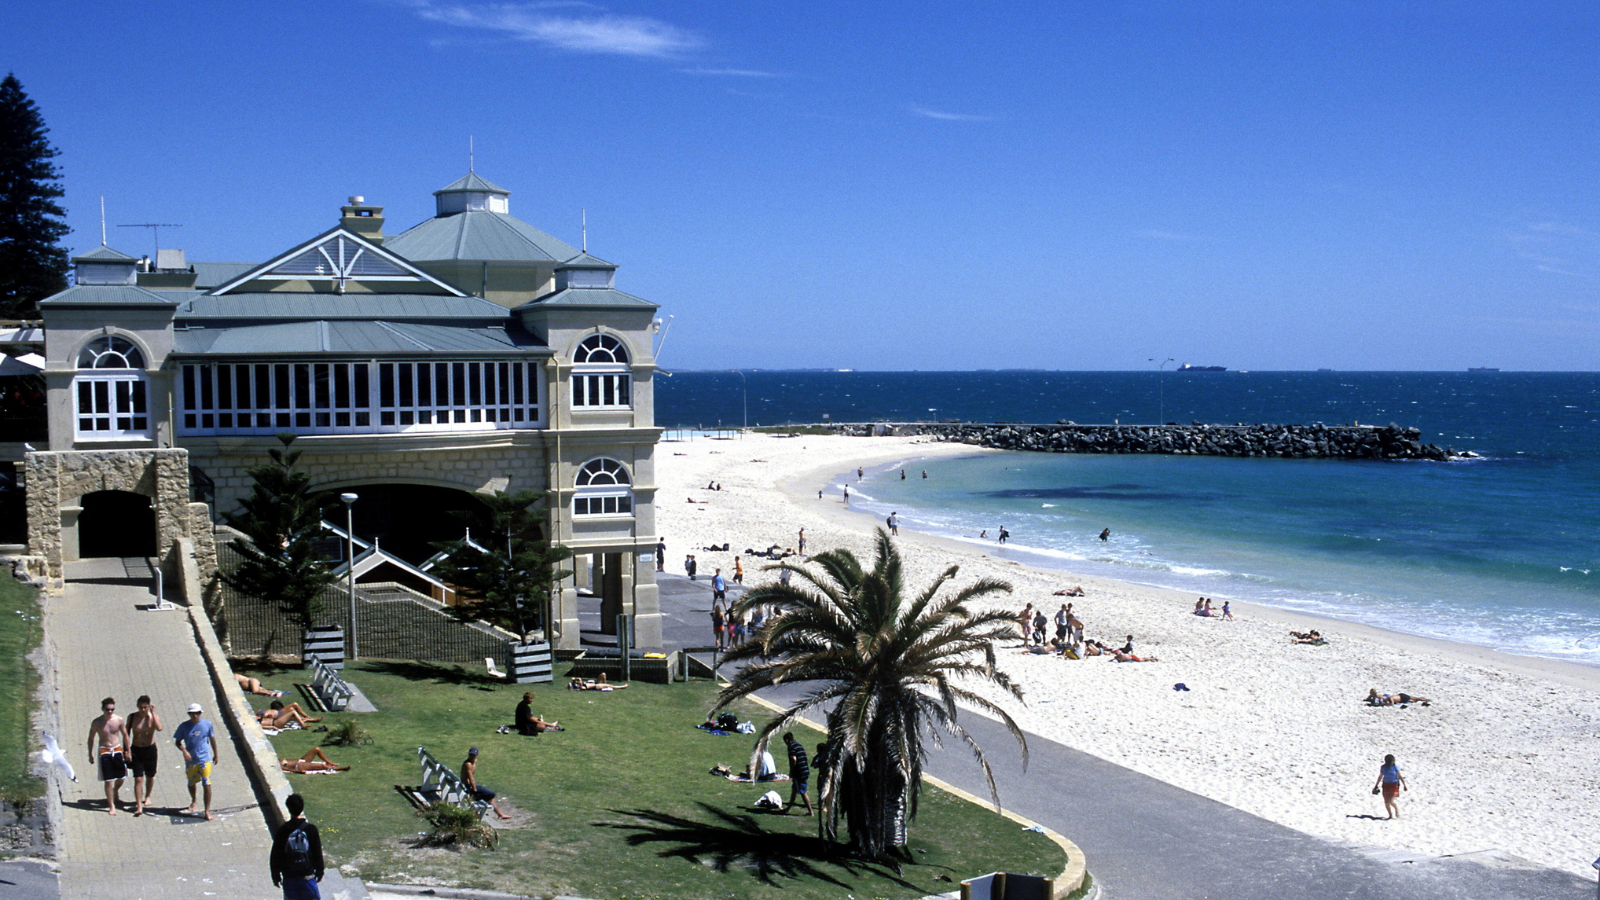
pixel 740 841
pixel 438 673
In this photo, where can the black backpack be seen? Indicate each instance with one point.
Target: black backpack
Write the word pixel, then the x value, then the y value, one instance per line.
pixel 297 853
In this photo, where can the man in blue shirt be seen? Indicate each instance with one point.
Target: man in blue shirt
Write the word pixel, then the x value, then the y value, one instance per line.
pixel 719 587
pixel 198 741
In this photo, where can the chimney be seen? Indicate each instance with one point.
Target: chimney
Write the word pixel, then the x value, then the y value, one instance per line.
pixel 362 219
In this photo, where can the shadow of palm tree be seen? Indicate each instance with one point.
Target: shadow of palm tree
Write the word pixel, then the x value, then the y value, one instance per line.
pixel 731 841
pixel 438 673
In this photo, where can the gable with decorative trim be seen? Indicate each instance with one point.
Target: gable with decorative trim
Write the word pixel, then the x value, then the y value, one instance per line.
pixel 338 257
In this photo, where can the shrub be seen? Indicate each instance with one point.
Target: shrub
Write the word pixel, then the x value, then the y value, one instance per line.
pixel 459 825
pixel 349 734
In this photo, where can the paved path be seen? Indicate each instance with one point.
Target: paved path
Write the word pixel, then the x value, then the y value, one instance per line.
pixel 1147 840
pixel 104 645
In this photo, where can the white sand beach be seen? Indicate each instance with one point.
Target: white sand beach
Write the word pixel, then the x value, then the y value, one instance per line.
pixel 1506 757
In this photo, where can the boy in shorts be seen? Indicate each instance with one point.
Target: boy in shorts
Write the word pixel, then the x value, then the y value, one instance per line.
pixel 111 730
pixel 142 726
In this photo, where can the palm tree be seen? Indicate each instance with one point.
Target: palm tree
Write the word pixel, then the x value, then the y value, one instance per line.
pixel 889 673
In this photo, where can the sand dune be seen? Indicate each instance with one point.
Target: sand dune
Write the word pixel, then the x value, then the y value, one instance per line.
pixel 1507 757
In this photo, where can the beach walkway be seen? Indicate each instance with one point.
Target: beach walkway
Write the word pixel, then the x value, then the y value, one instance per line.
pixel 103 644
pixel 1147 840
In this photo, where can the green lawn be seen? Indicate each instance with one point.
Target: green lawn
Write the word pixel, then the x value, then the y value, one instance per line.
pixel 20 631
pixel 619 806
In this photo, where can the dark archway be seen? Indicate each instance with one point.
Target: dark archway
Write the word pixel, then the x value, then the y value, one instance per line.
pixel 408 519
pixel 116 523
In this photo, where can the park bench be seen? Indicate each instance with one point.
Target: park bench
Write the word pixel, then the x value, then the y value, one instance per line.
pixel 441 784
pixel 329 689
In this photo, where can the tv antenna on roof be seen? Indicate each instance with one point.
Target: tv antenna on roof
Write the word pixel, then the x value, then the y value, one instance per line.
pixel 471 162
pixel 155 230
pixel 584 219
pixel 102 220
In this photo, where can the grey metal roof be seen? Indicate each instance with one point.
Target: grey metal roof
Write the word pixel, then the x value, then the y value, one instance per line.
pixel 471 182
pixel 208 275
pixel 586 261
pixel 103 253
pixel 478 235
pixel 392 307
pixel 115 295
pixel 587 298
pixel 366 338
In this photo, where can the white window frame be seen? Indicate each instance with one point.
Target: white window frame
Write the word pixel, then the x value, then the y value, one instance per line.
pixel 600 386
pixel 114 397
pixel 601 489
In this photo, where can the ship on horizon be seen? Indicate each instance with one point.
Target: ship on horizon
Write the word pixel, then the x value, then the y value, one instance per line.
pixel 1188 368
pixel 1482 369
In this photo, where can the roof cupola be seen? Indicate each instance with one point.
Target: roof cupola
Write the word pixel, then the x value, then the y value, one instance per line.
pixel 472 193
pixel 359 218
pixel 103 265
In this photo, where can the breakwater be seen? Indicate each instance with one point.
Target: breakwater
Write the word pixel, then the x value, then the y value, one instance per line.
pixel 1287 441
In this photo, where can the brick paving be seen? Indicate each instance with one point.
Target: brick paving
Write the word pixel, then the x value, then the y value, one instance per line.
pixel 104 645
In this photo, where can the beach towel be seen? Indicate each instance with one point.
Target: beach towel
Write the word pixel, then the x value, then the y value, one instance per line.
pixel 710 730
pixel 746 779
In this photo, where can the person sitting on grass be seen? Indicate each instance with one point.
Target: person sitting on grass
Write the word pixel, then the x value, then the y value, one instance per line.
pixel 469 777
pixel 253 686
pixel 279 716
pixel 526 722
pixel 314 760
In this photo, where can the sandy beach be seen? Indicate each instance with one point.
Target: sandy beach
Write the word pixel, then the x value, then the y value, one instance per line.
pixel 1506 757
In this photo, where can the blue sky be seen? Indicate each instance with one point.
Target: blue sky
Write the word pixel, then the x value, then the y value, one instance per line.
pixel 900 186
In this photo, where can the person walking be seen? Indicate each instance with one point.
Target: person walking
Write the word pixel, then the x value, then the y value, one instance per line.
pixel 894 523
pixel 1063 618
pixel 719 625
pixel 719 588
pixel 296 857
pixel 142 755
pixel 661 556
pixel 1004 534
pixel 111 731
pixel 799 772
pixel 738 570
pixel 1390 783
pixel 197 739
pixel 1039 624
pixel 803 538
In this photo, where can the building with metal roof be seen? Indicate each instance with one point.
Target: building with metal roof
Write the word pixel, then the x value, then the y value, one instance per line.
pixel 471 353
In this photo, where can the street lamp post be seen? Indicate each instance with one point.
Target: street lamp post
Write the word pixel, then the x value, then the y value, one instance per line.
pixel 1161 389
pixel 350 564
pixel 744 396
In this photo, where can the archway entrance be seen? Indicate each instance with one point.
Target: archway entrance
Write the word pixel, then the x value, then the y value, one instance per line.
pixel 408 519
pixel 116 523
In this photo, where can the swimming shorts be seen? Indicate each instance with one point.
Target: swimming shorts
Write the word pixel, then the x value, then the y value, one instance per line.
pixel 799 785
pixel 483 793
pixel 112 766
pixel 1391 790
pixel 142 760
pixel 200 773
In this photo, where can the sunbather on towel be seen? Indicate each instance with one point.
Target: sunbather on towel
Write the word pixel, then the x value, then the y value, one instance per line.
pixel 1129 657
pixel 279 716
pixel 313 761
pixel 1376 699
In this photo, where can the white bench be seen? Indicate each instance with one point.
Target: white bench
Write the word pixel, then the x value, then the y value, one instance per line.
pixel 441 784
pixel 329 687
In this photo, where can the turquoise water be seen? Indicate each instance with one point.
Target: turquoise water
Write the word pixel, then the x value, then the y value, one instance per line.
pixel 1499 551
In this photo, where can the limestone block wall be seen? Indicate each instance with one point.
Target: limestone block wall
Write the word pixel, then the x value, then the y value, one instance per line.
pixel 58 479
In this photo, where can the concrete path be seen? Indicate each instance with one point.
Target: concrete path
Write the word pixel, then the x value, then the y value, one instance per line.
pixel 103 644
pixel 1147 840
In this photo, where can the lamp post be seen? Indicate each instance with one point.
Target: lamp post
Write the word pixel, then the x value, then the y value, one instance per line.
pixel 744 396
pixel 350 564
pixel 1161 389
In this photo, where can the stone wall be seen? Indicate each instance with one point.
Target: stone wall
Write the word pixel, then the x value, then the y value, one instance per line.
pixel 1290 441
pixel 57 480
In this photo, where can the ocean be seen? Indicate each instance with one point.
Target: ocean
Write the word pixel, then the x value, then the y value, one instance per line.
pixel 1499 551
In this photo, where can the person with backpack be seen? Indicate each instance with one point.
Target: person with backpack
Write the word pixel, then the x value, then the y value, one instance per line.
pixel 297 854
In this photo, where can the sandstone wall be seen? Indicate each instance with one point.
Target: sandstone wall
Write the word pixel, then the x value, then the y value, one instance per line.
pixel 58 480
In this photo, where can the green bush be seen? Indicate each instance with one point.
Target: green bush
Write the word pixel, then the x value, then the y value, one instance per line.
pixel 458 825
pixel 349 734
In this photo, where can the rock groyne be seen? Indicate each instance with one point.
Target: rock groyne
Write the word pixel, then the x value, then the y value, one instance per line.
pixel 1287 441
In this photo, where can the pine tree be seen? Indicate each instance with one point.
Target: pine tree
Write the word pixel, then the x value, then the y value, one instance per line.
pixel 284 522
pixel 508 582
pixel 32 266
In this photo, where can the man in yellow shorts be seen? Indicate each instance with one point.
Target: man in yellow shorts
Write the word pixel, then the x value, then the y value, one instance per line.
pixel 198 741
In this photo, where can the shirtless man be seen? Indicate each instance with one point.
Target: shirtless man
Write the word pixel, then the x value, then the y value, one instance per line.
pixel 143 726
pixel 112 733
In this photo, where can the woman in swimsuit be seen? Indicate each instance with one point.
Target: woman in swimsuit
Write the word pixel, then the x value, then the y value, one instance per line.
pixel 314 760
pixel 279 716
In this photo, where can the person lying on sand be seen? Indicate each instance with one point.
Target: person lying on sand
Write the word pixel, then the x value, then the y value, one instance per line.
pixel 279 716
pixel 1399 699
pixel 1074 591
pixel 253 686
pixel 314 760
pixel 1129 657
pixel 1309 637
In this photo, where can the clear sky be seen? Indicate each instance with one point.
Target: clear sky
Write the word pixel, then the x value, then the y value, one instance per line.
pixel 1273 185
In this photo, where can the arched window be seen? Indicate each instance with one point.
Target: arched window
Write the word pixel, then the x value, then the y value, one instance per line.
pixel 601 348
pixel 603 489
pixel 110 391
pixel 110 352
pixel 600 376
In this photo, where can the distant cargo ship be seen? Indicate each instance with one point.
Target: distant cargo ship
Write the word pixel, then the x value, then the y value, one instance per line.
pixel 1483 369
pixel 1188 368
